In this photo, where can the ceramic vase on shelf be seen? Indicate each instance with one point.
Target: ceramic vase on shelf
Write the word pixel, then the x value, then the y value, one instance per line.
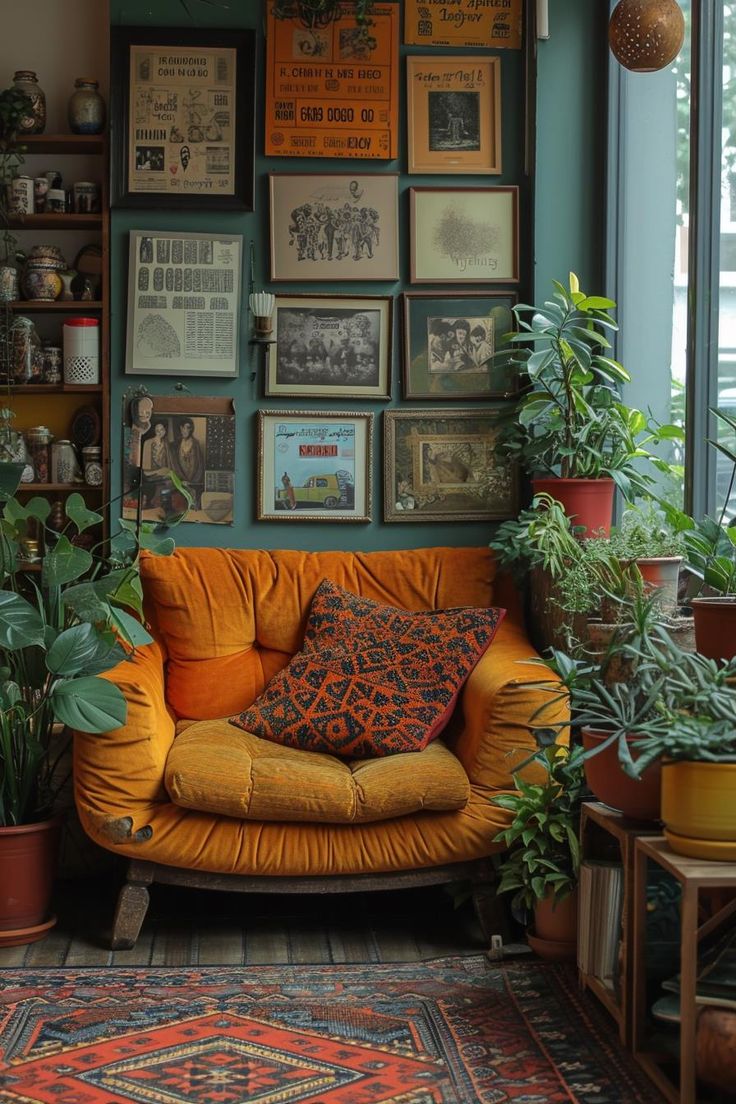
pixel 34 122
pixel 40 278
pixel 9 284
pixel 86 109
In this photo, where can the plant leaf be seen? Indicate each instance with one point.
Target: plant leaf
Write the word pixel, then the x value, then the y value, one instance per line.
pixel 89 704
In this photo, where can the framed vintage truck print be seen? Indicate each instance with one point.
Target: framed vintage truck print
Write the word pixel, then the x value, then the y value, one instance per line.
pixel 314 465
pixel 331 346
pixel 183 132
pixel 332 88
pixel 464 235
pixel 334 227
pixel 479 23
pixel 454 114
pixel 442 466
pixel 451 345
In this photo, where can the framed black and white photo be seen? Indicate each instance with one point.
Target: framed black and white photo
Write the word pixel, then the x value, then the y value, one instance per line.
pixel 442 465
pixel 334 227
pixel 183 303
pixel 314 465
pixel 331 346
pixel 183 129
pixel 464 235
pixel 451 345
pixel 454 114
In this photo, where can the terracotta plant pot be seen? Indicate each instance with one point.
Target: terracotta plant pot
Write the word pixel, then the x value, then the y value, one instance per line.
pixel 557 921
pixel 662 573
pixel 27 864
pixel 715 626
pixel 698 801
pixel 587 502
pixel 551 950
pixel 637 799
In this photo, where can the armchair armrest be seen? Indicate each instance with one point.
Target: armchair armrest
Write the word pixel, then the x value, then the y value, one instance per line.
pixel 119 775
pixel 496 708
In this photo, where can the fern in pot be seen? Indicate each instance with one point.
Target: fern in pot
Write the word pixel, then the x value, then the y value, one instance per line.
pixel 62 626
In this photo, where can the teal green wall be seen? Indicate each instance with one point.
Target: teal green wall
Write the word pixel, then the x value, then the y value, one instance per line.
pixel 569 217
pixel 563 214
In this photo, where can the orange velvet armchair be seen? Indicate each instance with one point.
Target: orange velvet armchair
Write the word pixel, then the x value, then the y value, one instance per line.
pixel 224 622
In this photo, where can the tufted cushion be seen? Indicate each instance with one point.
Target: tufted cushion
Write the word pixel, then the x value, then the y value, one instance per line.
pixel 228 618
pixel 371 680
pixel 214 768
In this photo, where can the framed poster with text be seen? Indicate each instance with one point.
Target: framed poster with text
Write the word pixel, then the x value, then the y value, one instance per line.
pixel 454 114
pixel 182 133
pixel 333 91
pixel 479 23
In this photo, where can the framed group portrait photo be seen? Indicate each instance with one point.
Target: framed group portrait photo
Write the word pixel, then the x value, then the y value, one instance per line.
pixel 314 465
pixel 443 466
pixel 453 347
pixel 464 235
pixel 330 346
pixel 454 114
pixel 183 132
pixel 334 227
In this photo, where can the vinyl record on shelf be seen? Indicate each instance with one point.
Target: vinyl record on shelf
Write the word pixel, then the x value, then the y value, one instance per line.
pixel 86 427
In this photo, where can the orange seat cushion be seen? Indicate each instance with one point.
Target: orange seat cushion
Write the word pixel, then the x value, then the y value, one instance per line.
pixel 214 768
pixel 371 680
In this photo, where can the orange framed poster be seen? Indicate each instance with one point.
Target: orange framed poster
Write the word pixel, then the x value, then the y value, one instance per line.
pixel 478 23
pixel 333 91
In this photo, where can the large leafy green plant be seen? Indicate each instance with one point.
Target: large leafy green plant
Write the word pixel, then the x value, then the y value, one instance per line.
pixel 543 844
pixel 571 422
pixel 60 629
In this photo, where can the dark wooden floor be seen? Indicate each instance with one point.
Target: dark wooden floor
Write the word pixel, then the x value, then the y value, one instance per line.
pixel 189 926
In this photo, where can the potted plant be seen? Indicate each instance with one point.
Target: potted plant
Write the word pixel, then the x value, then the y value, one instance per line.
pixel 572 433
pixel 647 538
pixel 61 627
pixel 542 862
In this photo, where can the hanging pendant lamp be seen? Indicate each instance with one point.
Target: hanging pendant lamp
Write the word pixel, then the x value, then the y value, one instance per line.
pixel 646 35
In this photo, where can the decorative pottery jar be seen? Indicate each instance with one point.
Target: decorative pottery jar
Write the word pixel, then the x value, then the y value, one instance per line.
pixel 27 354
pixel 9 285
pixel 39 438
pixel 34 122
pixel 86 108
pixel 92 457
pixel 52 362
pixel 40 278
pixel 64 463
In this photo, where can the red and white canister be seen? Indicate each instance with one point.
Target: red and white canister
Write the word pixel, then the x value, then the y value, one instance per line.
pixel 81 350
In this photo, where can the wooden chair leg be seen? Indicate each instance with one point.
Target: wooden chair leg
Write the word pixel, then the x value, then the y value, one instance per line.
pixel 132 907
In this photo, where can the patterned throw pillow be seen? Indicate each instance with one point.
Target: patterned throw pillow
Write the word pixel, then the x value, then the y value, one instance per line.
pixel 370 680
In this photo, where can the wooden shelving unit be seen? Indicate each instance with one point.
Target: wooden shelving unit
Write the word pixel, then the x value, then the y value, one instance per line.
pixel 53 403
pixel 622 835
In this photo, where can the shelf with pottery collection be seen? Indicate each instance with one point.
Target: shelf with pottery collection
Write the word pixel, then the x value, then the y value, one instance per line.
pixel 58 387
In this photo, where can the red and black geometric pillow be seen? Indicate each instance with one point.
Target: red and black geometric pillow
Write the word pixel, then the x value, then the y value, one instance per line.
pixel 370 680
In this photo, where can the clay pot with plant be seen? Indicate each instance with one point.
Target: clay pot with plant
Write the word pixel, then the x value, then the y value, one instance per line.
pixel 571 432
pixel 542 863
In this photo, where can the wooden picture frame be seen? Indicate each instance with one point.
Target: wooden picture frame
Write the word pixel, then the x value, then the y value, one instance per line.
pixel 441 465
pixel 450 347
pixel 454 114
pixel 183 303
pixel 464 235
pixel 331 346
pixel 183 127
pixel 314 465
pixel 334 227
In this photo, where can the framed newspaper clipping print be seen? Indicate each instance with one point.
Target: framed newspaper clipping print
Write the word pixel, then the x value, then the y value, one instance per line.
pixel 454 114
pixel 183 132
pixel 331 346
pixel 442 465
pixel 183 303
pixel 314 465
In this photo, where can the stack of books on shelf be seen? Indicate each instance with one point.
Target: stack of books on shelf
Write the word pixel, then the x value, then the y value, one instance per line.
pixel 599 921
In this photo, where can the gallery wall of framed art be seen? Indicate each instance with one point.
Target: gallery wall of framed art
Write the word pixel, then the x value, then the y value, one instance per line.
pixel 389 218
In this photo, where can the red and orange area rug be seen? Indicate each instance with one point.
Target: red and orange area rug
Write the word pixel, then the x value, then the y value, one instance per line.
pixel 450 1031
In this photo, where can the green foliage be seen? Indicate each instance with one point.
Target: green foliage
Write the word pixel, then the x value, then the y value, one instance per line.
pixel 58 633
pixel 543 842
pixel 571 422
pixel 646 533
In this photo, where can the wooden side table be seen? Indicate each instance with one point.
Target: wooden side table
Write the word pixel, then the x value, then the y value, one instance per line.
pixel 693 875
pixel 595 817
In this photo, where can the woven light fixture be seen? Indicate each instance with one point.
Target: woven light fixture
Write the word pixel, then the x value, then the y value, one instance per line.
pixel 646 35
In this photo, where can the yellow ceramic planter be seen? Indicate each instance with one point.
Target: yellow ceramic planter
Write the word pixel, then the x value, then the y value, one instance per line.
pixel 699 809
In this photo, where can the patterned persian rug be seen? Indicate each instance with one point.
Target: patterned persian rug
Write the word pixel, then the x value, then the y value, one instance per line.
pixel 450 1031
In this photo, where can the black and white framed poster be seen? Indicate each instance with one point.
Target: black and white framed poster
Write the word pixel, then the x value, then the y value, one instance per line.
pixel 183 303
pixel 331 345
